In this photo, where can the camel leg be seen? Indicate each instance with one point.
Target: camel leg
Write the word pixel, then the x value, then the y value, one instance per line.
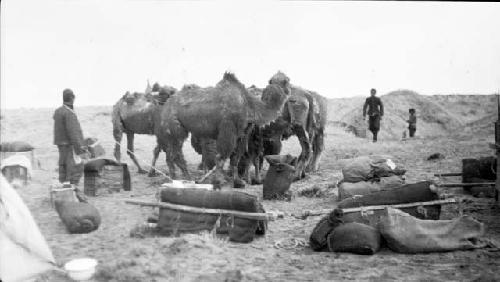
pixel 169 158
pixel 178 157
pixel 305 155
pixel 117 135
pixel 257 165
pixel 318 147
pixel 130 152
pixel 156 154
pixel 258 156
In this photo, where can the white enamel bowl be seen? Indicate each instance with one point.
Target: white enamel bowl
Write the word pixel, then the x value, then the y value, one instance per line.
pixel 81 269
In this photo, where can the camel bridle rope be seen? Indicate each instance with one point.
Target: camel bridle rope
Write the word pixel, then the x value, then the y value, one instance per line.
pixel 140 160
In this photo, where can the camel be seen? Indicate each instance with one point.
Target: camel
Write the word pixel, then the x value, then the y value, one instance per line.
pixel 135 113
pixel 305 116
pixel 222 113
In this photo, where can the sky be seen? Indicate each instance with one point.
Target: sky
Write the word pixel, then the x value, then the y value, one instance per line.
pixel 101 49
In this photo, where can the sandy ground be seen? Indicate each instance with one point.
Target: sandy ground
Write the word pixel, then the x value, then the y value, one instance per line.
pixel 203 257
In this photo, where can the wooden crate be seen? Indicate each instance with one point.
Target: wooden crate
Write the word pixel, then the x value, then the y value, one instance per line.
pixel 14 172
pixel 108 180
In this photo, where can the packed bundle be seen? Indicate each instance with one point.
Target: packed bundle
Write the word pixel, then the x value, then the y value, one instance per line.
pixel 367 168
pixel 15 146
pixel 407 234
pixel 239 229
pixel 349 189
pixel 78 217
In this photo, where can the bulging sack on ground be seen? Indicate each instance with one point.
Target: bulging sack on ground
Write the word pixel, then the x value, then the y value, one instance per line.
pixel 318 240
pixel 279 177
pixel 369 167
pixel 354 238
pixel 239 229
pixel 16 146
pixel 78 217
pixel 347 189
pixel 407 234
pixel 409 193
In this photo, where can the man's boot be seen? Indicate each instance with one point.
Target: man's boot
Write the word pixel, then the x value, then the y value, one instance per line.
pixel 375 137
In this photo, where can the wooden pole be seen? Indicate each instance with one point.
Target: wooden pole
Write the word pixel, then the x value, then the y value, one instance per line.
pixel 305 214
pixel 247 215
pixel 448 174
pixel 465 184
pixel 408 205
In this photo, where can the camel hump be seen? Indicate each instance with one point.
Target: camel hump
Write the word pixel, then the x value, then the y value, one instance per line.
pixel 230 77
pixel 279 77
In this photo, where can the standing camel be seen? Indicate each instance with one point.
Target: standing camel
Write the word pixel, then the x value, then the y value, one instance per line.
pixel 305 113
pixel 135 113
pixel 222 113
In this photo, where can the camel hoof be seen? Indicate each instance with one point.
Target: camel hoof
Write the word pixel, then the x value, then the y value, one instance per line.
pixel 239 183
pixel 152 173
pixel 142 171
pixel 256 181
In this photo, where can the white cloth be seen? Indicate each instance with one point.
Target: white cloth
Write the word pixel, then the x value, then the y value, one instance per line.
pixel 24 253
pixel 20 160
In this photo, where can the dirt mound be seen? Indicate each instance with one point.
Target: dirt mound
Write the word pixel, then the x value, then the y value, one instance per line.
pixel 437 115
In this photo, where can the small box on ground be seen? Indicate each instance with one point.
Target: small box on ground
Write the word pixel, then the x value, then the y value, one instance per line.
pixel 15 172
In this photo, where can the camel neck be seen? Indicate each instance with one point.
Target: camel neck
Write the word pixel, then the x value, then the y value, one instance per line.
pixel 263 114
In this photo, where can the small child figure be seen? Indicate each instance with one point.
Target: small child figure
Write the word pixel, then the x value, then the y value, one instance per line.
pixel 412 123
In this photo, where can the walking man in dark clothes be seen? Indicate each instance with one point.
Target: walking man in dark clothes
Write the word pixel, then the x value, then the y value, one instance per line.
pixel 375 112
pixel 412 122
pixel 69 140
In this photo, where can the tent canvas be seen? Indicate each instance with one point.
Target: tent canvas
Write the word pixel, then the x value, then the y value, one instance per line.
pixel 24 253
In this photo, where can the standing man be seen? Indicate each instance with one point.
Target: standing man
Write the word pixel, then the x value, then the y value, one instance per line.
pixel 412 123
pixel 69 140
pixel 375 112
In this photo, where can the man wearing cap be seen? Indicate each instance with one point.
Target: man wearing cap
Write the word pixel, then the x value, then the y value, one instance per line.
pixel 375 112
pixel 69 140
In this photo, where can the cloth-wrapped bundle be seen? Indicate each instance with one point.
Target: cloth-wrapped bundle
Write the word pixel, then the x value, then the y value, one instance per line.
pixel 370 167
pixel 78 217
pixel 15 146
pixel 354 238
pixel 239 229
pixel 409 193
pixel 407 234
pixel 348 189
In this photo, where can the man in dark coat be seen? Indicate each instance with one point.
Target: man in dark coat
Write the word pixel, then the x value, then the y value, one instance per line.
pixel 412 123
pixel 69 140
pixel 375 112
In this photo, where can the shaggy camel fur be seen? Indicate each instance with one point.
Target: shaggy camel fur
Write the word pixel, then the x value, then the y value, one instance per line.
pixel 135 113
pixel 306 115
pixel 222 113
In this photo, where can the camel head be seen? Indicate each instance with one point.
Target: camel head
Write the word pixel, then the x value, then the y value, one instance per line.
pixel 297 109
pixel 167 91
pixel 254 90
pixel 274 97
pixel 282 81
pixel 191 86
